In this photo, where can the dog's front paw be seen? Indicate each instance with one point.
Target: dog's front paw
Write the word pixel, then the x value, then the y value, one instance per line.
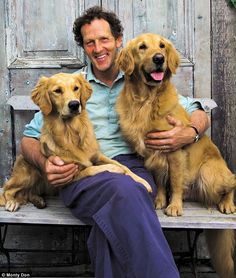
pixel 38 202
pixel 174 210
pixel 139 179
pixel 12 205
pixel 146 184
pixel 226 207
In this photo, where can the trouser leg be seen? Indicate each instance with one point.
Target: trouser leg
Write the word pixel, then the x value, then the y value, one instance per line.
pixel 126 239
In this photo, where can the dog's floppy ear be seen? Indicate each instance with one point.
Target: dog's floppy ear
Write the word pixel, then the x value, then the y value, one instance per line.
pixel 40 96
pixel 86 89
pixel 173 58
pixel 125 61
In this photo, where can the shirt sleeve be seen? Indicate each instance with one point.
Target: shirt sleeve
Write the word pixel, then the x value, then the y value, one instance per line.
pixel 193 104
pixel 33 129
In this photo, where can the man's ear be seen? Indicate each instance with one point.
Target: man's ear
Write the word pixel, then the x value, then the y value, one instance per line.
pixel 40 96
pixel 119 42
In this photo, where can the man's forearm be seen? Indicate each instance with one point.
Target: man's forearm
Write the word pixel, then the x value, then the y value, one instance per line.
pixel 30 149
pixel 200 120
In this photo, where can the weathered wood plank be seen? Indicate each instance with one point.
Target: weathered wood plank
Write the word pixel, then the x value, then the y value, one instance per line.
pixel 224 79
pixel 22 103
pixel 195 216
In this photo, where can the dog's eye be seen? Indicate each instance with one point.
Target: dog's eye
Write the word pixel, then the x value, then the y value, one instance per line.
pixel 58 91
pixel 143 46
pixel 162 45
pixel 76 88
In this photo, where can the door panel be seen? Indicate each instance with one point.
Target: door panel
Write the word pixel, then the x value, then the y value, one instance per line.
pixel 39 33
pixel 187 24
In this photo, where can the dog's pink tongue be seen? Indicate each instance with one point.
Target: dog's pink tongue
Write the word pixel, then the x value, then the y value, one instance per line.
pixel 158 76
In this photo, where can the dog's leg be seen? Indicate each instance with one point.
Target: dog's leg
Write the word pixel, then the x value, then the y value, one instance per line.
pixel 177 171
pixel 24 177
pixel 11 188
pixel 161 178
pixel 160 200
pixel 93 170
pixel 2 200
pixel 102 159
pixel 217 184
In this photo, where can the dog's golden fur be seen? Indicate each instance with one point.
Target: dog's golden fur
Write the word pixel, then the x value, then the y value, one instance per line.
pixel 148 96
pixel 68 133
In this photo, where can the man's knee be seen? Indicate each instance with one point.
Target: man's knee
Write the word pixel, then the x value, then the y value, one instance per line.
pixel 125 186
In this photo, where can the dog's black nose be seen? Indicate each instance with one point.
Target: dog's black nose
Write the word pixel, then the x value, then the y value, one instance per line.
pixel 158 59
pixel 74 105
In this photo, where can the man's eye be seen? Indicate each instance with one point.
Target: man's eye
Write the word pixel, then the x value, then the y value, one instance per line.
pixel 105 39
pixel 89 43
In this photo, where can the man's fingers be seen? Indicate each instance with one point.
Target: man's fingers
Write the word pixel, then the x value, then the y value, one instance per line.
pixel 56 160
pixel 162 148
pixel 158 134
pixel 173 121
pixel 59 173
pixel 62 182
pixel 62 177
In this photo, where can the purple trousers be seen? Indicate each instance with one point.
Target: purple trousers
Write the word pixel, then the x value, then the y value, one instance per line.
pixel 126 238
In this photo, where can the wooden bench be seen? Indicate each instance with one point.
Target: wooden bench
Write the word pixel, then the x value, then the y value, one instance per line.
pixel 196 217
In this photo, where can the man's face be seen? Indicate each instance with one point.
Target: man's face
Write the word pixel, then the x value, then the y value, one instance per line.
pixel 100 45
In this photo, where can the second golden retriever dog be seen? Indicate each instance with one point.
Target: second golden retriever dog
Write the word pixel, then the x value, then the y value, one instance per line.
pixel 148 96
pixel 68 133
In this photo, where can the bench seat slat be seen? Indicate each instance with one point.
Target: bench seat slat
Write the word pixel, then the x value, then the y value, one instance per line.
pixel 195 216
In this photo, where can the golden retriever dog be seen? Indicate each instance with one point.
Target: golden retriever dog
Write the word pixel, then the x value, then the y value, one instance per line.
pixel 68 133
pixel 148 96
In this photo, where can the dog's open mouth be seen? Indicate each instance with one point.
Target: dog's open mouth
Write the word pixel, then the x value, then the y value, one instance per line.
pixel 155 76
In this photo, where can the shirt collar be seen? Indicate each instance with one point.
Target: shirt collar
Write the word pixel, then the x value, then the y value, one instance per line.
pixel 91 76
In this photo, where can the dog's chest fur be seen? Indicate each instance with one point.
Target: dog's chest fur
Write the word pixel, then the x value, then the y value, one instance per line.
pixel 73 140
pixel 144 110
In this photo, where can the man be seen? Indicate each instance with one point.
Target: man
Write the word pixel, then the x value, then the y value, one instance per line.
pixel 126 239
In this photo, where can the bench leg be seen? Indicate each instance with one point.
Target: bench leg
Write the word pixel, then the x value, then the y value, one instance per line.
pixel 191 252
pixel 79 245
pixel 192 245
pixel 2 240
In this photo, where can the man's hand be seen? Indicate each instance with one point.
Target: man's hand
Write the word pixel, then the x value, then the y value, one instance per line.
pixel 58 173
pixel 171 140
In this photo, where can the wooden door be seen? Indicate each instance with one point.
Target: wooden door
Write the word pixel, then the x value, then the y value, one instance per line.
pixel 36 39
pixel 187 24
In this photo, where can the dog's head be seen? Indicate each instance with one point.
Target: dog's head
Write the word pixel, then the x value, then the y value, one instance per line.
pixel 63 94
pixel 150 57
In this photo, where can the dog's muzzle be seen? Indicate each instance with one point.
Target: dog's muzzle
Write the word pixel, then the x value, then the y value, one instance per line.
pixel 157 74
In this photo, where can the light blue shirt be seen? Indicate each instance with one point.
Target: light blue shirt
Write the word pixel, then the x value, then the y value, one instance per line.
pixel 101 109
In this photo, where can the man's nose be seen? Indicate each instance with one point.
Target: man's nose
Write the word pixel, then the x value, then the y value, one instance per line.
pixel 97 46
